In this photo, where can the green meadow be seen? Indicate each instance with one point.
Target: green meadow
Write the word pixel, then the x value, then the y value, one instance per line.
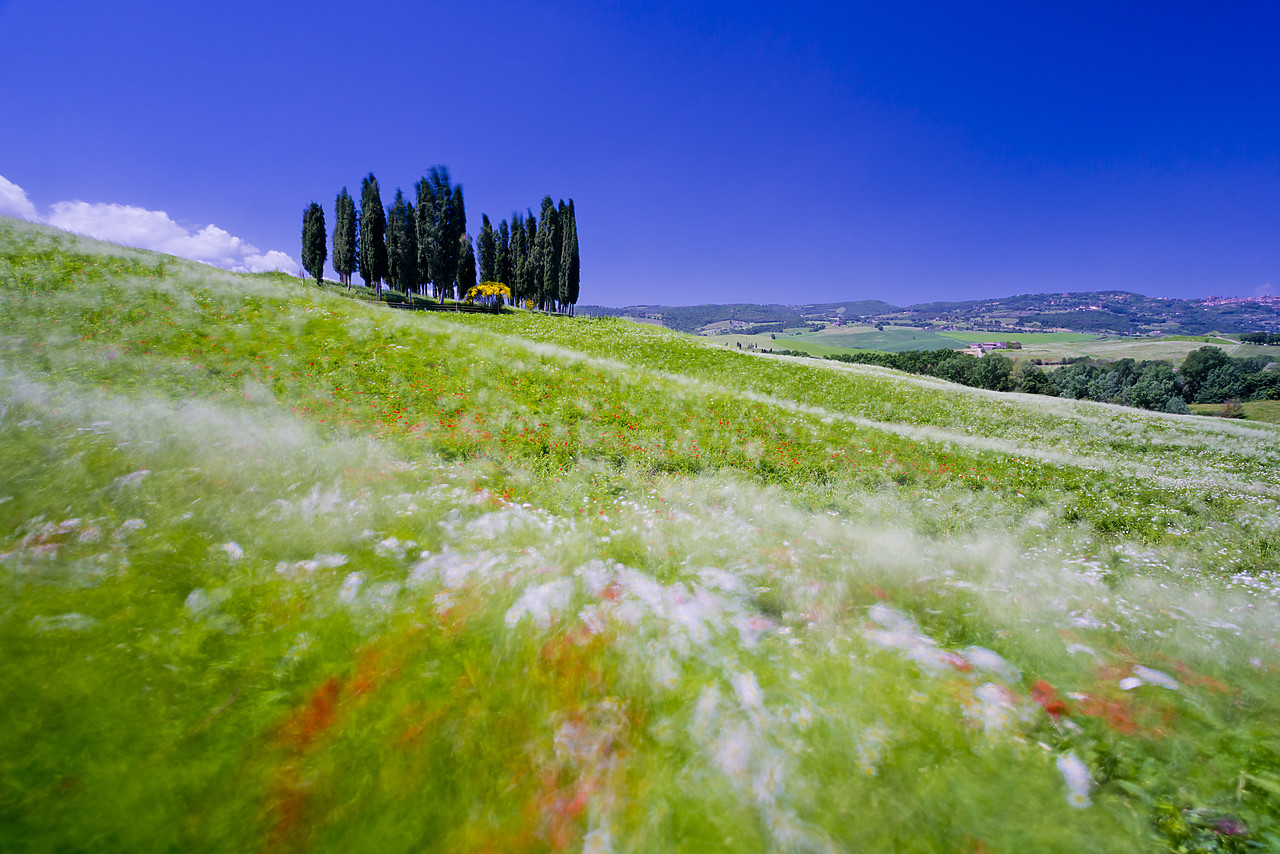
pixel 1047 346
pixel 282 570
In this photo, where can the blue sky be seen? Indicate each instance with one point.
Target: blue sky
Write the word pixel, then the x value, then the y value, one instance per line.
pixel 716 152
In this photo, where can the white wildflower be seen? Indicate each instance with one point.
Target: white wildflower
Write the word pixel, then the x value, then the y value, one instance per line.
pixel 351 587
pixel 1155 677
pixel 733 752
pixel 541 603
pixel 871 744
pixel 71 622
pixel 197 602
pixel 995 708
pixel 767 783
pixel 233 550
pixel 748 692
pixel 990 661
pixel 596 575
pixel 598 841
pixel 133 479
pixel 1079 782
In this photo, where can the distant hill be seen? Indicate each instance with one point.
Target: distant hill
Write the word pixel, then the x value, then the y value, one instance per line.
pixel 1116 312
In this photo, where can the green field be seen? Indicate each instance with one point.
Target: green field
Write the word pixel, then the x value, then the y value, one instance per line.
pixel 842 339
pixel 287 571
pixel 1254 410
pixel 1138 349
pixel 1046 346
pixel 1027 338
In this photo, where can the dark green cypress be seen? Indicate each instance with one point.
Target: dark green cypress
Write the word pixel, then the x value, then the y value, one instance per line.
pixel 373 234
pixel 519 251
pixel 530 269
pixel 438 239
pixel 466 266
pixel 502 255
pixel 488 251
pixel 544 256
pixel 427 228
pixel 344 237
pixel 457 230
pixel 313 241
pixel 402 248
pixel 569 264
pixel 554 275
pixel 412 275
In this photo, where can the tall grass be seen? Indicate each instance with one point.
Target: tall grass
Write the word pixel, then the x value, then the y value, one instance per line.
pixel 281 570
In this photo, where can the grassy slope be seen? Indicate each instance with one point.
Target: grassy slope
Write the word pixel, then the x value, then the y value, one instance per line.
pixel 1049 346
pixel 281 570
pixel 1254 410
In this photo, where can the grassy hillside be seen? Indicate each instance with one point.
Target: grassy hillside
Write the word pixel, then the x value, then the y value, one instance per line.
pixel 285 571
pixel 1048 346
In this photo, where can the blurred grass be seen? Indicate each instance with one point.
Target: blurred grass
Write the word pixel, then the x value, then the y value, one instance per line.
pixel 283 570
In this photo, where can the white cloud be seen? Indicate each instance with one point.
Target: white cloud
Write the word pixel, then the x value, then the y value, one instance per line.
pixel 14 201
pixel 148 229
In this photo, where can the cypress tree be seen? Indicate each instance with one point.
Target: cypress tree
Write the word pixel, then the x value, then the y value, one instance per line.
pixel 519 249
pixel 344 237
pixel 488 251
pixel 530 268
pixel 373 230
pixel 569 264
pixel 412 275
pixel 557 256
pixel 456 218
pixel 426 227
pixel 437 239
pixel 466 266
pixel 544 255
pixel 502 255
pixel 313 241
pixel 402 248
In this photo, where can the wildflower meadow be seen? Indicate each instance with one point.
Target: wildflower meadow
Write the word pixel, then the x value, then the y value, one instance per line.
pixel 282 570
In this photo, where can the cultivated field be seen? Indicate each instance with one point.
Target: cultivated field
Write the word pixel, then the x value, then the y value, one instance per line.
pixel 285 571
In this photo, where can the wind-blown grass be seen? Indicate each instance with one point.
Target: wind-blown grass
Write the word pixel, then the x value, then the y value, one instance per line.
pixel 282 570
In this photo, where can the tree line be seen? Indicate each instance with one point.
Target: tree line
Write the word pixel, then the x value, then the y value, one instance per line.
pixel 422 246
pixel 1208 375
pixel 1266 338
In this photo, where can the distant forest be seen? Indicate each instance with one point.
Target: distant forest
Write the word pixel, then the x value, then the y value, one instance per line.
pixel 424 248
pixel 1208 375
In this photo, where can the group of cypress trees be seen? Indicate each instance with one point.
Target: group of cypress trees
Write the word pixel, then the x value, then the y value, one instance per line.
pixel 416 248
pixel 536 258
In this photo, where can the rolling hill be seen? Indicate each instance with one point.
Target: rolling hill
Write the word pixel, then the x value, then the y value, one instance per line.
pixel 1107 312
pixel 284 570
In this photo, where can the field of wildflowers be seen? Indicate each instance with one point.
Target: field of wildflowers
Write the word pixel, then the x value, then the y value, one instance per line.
pixel 285 571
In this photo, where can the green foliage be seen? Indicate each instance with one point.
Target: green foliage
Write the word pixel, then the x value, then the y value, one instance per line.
pixel 314 238
pixel 372 257
pixel 519 258
pixel 402 245
pixel 344 237
pixel 442 223
pixel 570 263
pixel 466 266
pixel 488 247
pixel 544 257
pixel 530 262
pixel 502 255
